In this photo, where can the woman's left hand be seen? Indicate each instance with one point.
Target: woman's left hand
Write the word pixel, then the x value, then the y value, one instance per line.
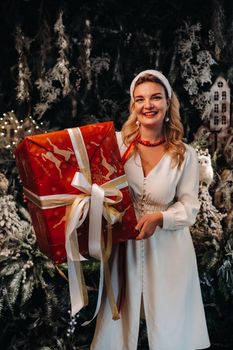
pixel 148 223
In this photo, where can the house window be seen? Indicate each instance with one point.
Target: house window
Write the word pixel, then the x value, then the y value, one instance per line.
pixel 216 108
pixel 224 107
pixel 224 95
pixel 220 84
pixel 216 96
pixel 216 120
pixel 224 120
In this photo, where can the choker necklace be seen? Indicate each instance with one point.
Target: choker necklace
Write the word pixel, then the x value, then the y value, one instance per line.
pixel 151 144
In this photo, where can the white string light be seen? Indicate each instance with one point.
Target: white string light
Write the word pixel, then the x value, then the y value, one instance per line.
pixel 15 130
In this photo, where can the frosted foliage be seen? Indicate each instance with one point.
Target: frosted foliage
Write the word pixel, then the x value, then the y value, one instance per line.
pixel 22 45
pixel 228 220
pixel 208 221
pixel 10 222
pixel 224 191
pixel 23 267
pixel 211 37
pixel 49 94
pixel 202 137
pixel 3 184
pixel 228 150
pixel 60 70
pixel 196 65
pixel 100 64
pixel 224 195
pixel 87 44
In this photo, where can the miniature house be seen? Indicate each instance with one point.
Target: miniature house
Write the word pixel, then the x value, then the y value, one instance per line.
pixel 223 197
pixel 218 131
pixel 220 102
pixel 220 123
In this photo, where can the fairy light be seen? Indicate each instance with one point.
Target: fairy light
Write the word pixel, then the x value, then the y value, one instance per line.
pixel 72 324
pixel 15 130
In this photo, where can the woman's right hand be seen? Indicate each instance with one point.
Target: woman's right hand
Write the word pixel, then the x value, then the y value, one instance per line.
pixel 147 225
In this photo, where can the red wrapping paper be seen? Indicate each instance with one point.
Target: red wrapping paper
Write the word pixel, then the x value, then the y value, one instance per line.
pixel 47 164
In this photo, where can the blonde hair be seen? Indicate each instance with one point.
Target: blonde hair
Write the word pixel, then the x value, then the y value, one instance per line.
pixel 173 129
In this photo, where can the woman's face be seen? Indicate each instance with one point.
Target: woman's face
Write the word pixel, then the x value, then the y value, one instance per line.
pixel 150 104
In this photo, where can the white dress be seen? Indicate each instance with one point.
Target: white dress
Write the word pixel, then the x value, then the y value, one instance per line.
pixel 160 270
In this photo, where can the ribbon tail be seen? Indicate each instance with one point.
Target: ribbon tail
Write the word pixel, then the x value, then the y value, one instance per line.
pixel 110 294
pixel 77 286
pixel 101 285
pixel 95 230
pixel 106 251
pixel 105 275
pixel 122 275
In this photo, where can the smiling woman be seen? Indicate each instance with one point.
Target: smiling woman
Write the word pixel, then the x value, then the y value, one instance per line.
pixel 162 283
pixel 163 104
pixel 151 105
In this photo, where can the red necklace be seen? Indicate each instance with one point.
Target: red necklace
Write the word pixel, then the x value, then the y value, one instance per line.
pixel 151 144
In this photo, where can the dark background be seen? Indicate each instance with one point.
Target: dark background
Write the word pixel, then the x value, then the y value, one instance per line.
pixel 134 35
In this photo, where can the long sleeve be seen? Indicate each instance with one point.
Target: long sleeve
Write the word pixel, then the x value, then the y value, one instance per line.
pixel 183 212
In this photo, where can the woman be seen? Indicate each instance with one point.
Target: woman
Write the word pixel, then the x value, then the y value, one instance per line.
pixel 162 281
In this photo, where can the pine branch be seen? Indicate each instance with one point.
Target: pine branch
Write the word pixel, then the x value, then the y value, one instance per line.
pixel 27 290
pixel 14 287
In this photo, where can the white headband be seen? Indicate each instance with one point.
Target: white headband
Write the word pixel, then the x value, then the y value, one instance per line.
pixel 156 74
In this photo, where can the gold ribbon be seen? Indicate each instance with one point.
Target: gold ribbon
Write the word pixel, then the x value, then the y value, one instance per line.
pixel 93 199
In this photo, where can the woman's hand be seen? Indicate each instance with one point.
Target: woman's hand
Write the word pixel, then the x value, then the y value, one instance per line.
pixel 148 223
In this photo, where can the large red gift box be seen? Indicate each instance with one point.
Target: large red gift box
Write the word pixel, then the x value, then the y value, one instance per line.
pixel 48 166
